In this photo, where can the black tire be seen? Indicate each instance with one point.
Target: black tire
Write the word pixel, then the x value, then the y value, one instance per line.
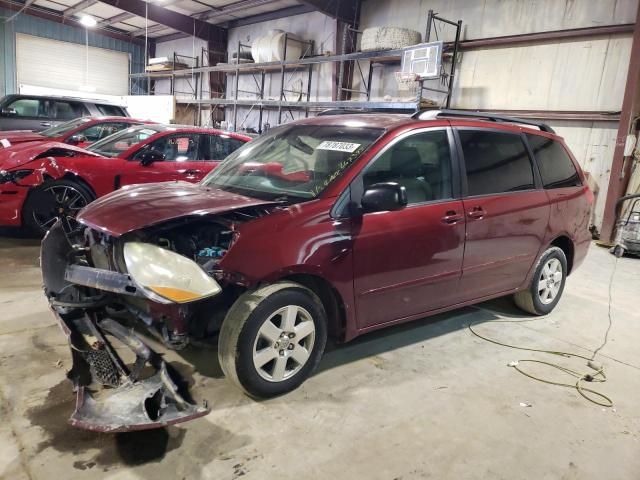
pixel 240 338
pixel 42 205
pixel 535 301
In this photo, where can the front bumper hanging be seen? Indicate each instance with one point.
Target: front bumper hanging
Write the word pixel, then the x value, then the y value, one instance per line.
pixel 111 396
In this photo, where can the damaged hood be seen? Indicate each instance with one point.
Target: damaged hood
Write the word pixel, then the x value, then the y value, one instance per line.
pixel 139 206
pixel 23 153
pixel 19 136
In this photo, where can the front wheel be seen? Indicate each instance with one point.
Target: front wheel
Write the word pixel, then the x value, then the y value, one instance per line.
pixel 59 199
pixel 272 339
pixel 547 284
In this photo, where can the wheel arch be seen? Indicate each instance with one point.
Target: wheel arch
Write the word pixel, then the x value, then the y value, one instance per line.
pixel 74 177
pixel 329 296
pixel 564 243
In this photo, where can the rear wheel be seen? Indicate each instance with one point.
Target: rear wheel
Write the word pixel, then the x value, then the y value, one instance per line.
pixel 272 339
pixel 547 284
pixel 58 199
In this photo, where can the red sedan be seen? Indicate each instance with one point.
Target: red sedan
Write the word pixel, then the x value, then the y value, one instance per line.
pixel 81 132
pixel 40 182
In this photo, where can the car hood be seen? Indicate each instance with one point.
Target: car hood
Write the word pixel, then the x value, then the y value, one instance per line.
pixel 139 206
pixel 19 136
pixel 26 152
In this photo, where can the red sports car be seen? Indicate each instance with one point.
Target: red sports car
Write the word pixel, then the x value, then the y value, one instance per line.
pixel 81 132
pixel 43 181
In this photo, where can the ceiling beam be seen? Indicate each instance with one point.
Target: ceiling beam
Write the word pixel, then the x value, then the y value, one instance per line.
pixel 78 7
pixel 273 15
pixel 261 17
pixel 34 11
pixel 232 8
pixel 121 17
pixel 344 10
pixel 169 18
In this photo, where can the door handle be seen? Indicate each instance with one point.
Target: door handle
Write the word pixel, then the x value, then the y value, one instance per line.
pixel 452 217
pixel 477 213
pixel 191 172
pixel 45 124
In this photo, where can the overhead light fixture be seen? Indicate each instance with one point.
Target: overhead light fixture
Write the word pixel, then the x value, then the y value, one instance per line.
pixel 88 21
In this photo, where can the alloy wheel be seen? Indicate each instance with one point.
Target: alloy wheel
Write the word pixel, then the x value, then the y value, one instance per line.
pixel 67 201
pixel 284 343
pixel 550 281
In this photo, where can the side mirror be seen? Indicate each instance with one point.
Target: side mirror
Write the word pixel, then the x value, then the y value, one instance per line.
pixel 150 156
pixel 384 197
pixel 8 112
pixel 76 139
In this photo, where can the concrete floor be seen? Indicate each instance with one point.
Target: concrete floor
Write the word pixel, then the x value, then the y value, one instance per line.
pixel 424 400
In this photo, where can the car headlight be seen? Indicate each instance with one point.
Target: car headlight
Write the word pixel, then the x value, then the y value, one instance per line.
pixel 13 175
pixel 168 274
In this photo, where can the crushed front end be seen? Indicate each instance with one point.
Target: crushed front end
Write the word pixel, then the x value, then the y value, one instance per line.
pixel 104 290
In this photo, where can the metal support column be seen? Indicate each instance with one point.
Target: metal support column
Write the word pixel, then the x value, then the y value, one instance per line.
pixel 621 165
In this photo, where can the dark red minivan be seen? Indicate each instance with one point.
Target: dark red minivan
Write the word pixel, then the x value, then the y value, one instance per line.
pixel 330 226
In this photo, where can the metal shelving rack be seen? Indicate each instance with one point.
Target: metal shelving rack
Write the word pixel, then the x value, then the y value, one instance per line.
pixel 259 71
pixel 171 75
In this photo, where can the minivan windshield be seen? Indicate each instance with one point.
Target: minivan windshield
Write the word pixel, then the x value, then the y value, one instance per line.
pixel 115 144
pixel 64 127
pixel 292 161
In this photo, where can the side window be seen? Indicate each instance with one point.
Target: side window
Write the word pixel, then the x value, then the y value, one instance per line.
pixel 110 110
pixel 175 148
pixel 102 130
pixel 495 162
pixel 30 107
pixel 421 162
pixel 69 110
pixel 221 147
pixel 556 168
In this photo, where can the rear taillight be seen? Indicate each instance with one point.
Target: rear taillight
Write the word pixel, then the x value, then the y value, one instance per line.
pixel 589 195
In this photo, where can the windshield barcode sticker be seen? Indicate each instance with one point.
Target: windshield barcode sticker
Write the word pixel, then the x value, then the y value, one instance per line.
pixel 5 143
pixel 338 146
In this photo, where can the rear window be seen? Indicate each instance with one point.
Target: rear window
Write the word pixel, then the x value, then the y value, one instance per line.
pixel 496 162
pixel 111 111
pixel 556 168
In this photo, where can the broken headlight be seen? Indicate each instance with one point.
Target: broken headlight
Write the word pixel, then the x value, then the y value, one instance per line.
pixel 167 276
pixel 14 175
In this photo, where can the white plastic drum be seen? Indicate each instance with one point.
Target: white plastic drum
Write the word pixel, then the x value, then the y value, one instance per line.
pixel 270 47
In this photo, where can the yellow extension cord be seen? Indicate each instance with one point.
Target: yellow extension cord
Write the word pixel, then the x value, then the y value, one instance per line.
pixel 596 376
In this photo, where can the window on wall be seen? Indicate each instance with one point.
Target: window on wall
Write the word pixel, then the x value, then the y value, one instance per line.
pixel 420 162
pixel 556 168
pixel 495 162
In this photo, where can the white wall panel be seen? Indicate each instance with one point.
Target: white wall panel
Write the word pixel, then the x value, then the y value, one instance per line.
pixel 572 75
pixel 492 18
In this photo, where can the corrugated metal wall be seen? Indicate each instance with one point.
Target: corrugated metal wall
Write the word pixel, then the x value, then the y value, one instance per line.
pixel 55 31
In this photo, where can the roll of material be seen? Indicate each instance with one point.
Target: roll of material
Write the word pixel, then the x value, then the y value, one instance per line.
pixel 388 38
pixel 270 47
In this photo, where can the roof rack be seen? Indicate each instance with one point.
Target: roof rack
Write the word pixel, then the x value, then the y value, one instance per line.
pixel 433 114
pixel 349 111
